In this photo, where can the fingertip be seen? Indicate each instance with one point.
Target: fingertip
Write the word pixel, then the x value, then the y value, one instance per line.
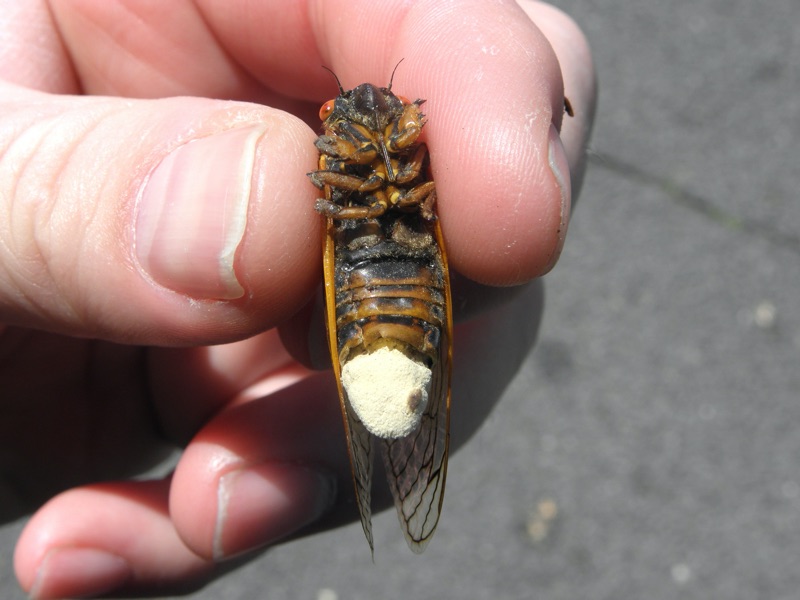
pixel 250 477
pixel 580 81
pixel 193 498
pixel 78 572
pixel 489 133
pixel 280 257
pixel 261 504
pixel 234 235
pixel 105 538
pixel 559 166
pixel 488 120
pixel 172 222
pixel 192 214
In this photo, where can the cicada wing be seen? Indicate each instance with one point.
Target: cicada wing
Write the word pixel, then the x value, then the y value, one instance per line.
pixel 359 441
pixel 416 465
pixel 359 446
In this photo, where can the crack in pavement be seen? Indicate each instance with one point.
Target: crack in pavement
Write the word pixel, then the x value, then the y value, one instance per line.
pixel 696 203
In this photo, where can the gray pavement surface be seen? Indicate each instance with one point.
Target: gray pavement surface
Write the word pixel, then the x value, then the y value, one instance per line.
pixel 650 446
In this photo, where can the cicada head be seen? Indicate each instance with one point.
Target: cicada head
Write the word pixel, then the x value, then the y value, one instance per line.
pixel 367 104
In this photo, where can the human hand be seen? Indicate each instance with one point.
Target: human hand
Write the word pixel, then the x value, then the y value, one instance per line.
pixel 122 320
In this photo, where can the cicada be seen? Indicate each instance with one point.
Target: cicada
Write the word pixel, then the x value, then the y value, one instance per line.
pixel 387 297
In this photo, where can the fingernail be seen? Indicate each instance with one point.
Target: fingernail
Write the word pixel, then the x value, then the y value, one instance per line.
pixel 257 505
pixel 557 159
pixel 192 214
pixel 78 573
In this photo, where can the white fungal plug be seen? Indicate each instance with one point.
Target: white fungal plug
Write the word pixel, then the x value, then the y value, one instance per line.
pixel 387 390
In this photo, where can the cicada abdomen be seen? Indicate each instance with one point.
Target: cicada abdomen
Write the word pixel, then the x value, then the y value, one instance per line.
pixel 388 303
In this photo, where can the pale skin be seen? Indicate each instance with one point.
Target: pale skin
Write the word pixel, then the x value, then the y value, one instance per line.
pixel 107 359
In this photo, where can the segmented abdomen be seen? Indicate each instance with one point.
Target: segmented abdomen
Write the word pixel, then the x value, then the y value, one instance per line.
pixel 389 286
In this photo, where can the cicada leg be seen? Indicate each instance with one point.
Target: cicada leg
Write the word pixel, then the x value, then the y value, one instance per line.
pixel 405 130
pixel 352 183
pixel 410 170
pixel 423 196
pixel 378 206
pixel 351 142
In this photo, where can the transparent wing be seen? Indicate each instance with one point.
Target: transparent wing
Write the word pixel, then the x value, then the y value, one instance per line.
pixel 359 445
pixel 416 465
pixel 359 442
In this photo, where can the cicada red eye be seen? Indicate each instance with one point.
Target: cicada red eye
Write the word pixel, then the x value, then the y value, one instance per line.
pixel 403 99
pixel 326 110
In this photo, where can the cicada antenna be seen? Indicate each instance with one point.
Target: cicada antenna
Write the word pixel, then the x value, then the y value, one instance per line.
pixel 391 79
pixel 341 89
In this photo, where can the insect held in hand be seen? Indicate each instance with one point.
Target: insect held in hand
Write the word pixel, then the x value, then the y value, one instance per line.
pixel 387 297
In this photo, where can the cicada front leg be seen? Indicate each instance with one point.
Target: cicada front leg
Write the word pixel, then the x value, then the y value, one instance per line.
pixel 348 141
pixel 405 130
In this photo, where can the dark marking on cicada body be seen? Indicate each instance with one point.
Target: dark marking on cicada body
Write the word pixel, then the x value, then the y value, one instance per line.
pixel 387 292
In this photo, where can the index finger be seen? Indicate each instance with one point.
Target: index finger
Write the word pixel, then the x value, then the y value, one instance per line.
pixel 493 88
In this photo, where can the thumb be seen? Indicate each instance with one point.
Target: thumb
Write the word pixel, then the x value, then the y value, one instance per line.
pixel 172 221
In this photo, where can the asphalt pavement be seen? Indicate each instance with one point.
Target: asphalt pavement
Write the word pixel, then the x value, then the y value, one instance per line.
pixel 649 448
